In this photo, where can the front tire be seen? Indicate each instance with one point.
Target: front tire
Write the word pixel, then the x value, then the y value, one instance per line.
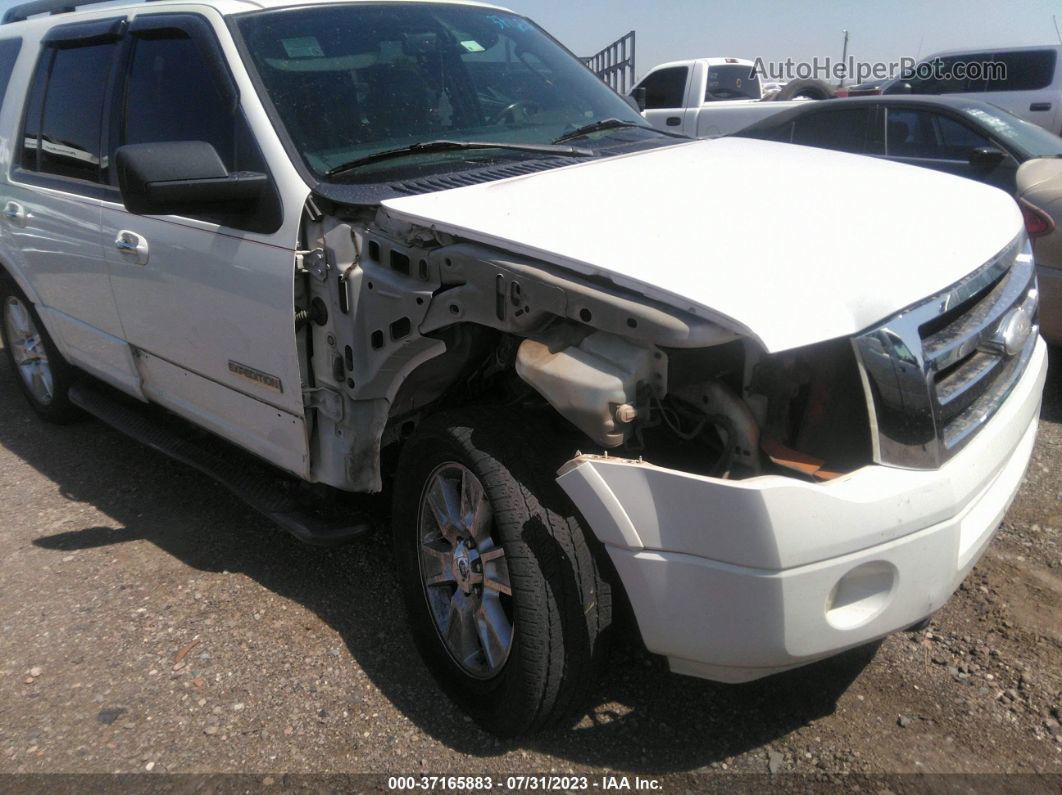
pixel 41 373
pixel 502 588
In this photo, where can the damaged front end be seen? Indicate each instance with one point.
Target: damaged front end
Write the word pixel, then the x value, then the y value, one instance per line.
pixel 397 321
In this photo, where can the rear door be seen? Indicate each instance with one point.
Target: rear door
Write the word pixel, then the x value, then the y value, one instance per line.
pixel 51 206
pixel 206 299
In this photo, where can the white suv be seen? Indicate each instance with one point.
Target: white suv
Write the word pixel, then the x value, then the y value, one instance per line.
pixel 329 249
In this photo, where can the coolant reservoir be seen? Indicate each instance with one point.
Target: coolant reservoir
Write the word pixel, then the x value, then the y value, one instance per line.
pixel 594 383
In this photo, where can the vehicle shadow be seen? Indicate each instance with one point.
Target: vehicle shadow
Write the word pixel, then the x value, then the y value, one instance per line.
pixel 642 717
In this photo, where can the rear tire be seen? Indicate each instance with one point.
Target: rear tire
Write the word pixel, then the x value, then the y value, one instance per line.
pixel 40 371
pixel 529 538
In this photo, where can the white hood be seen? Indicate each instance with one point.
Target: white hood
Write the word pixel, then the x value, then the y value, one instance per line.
pixel 788 244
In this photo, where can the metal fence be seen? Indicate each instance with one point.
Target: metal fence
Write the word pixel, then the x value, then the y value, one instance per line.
pixel 615 64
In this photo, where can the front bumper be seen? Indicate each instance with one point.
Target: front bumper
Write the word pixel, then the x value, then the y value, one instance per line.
pixel 736 580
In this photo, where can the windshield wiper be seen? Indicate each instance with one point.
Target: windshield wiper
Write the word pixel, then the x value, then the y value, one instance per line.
pixel 446 146
pixel 603 124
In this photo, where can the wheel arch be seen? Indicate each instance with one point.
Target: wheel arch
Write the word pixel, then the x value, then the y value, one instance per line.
pixel 12 274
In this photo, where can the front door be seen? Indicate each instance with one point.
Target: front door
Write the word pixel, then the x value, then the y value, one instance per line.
pixel 665 97
pixel 207 301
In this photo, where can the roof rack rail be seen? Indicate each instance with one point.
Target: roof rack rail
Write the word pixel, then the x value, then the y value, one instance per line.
pixel 23 11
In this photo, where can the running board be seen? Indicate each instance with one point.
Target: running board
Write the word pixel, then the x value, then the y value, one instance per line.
pixel 259 485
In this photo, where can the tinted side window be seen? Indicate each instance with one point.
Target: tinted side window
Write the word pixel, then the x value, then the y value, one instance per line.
pixel 944 77
pixel 843 130
pixel 172 95
pixel 9 49
pixel 1025 71
pixel 73 111
pixel 908 133
pixel 922 134
pixel 666 88
pixel 731 82
pixel 957 139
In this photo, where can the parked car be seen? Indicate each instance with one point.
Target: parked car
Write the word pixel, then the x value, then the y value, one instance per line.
pixel 959 136
pixel 1027 81
pixel 341 248
pixel 711 97
pixel 1040 193
pixel 964 137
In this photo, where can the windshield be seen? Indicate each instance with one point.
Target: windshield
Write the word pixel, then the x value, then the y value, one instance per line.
pixel 1034 141
pixel 349 81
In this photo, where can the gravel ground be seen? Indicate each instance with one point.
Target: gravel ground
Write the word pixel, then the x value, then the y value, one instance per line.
pixel 150 623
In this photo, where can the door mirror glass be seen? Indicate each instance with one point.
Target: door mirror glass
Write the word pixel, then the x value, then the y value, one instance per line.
pixel 183 177
pixel 986 156
pixel 636 99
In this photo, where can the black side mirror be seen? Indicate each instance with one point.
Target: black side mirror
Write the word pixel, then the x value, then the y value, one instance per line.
pixel 986 156
pixel 175 177
pixel 639 96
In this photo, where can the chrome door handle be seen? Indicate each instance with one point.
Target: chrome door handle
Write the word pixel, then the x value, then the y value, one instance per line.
pixel 132 245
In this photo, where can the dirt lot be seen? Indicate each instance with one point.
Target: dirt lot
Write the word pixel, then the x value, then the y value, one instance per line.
pixel 148 622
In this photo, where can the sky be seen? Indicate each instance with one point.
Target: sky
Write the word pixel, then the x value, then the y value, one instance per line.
pixel 882 30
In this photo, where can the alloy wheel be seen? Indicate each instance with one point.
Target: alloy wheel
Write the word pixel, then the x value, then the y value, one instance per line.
pixel 464 571
pixel 28 351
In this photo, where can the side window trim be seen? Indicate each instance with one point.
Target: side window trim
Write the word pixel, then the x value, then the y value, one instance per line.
pixel 85 34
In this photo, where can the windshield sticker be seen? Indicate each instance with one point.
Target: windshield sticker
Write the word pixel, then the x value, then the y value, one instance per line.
pixel 472 46
pixel 303 47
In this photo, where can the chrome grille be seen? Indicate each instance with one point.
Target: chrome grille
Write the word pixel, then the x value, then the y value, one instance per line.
pixel 938 371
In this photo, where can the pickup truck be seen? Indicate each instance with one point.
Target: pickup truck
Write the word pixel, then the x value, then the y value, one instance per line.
pixel 712 97
pixel 334 249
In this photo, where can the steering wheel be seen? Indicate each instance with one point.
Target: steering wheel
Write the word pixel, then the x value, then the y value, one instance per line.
pixel 499 117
